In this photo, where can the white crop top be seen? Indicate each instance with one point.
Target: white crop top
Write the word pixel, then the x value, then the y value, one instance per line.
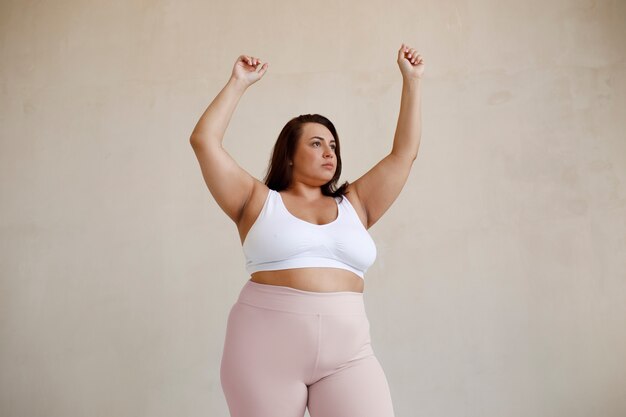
pixel 279 240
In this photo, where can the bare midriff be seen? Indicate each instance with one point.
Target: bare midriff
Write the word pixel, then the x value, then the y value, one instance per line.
pixel 312 279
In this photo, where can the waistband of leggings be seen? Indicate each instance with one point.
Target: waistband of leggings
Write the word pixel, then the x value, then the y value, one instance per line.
pixel 278 297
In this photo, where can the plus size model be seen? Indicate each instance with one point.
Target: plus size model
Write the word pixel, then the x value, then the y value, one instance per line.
pixel 298 334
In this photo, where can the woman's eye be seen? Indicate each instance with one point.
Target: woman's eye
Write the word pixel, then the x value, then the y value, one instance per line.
pixel 333 147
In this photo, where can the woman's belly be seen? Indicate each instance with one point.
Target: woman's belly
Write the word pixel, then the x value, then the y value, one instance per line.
pixel 312 279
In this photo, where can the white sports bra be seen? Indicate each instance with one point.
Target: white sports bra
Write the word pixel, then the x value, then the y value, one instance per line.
pixel 279 240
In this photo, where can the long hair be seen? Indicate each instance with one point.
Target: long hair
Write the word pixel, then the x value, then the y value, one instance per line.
pixel 279 172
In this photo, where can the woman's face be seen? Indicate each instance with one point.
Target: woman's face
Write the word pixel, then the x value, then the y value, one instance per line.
pixel 315 148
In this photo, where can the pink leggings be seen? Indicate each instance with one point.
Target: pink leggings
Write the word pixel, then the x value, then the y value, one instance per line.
pixel 286 349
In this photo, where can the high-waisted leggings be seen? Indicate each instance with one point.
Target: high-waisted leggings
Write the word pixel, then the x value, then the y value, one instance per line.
pixel 286 349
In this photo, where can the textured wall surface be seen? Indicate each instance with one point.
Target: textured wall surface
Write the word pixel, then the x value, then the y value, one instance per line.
pixel 500 281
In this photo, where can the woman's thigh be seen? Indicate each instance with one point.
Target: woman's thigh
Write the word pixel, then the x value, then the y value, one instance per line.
pixel 267 356
pixel 357 390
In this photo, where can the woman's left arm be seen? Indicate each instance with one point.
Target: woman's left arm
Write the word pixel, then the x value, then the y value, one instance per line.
pixel 379 187
pixel 406 140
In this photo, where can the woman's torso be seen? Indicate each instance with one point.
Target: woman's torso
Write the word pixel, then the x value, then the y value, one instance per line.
pixel 306 279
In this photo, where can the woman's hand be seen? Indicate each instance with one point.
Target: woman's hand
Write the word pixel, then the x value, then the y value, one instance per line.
pixel 245 70
pixel 411 63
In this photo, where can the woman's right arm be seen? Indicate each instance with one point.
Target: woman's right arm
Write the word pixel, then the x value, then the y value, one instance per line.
pixel 229 184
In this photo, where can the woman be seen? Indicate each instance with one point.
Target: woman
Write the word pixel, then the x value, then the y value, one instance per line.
pixel 298 334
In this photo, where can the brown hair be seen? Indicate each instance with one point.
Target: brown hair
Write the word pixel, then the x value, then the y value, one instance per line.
pixel 279 173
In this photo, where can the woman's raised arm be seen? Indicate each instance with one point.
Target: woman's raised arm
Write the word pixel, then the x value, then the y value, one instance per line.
pixel 379 187
pixel 228 183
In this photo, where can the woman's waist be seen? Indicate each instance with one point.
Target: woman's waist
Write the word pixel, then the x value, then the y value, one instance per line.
pixel 314 279
pixel 285 298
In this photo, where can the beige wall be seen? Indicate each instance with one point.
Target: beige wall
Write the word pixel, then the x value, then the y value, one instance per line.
pixel 500 281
